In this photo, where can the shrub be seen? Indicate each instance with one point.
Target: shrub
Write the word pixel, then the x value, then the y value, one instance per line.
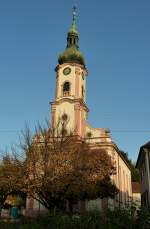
pixel 116 219
pixel 143 219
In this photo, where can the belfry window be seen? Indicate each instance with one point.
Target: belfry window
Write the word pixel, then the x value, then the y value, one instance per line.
pixel 66 89
pixel 82 90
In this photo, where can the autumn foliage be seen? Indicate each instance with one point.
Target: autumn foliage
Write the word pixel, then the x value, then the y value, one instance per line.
pixel 59 167
pixel 62 168
pixel 11 175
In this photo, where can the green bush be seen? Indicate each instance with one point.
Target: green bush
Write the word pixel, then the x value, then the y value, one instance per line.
pixel 116 219
pixel 143 219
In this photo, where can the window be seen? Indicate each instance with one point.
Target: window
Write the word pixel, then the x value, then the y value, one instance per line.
pixel 64 117
pixel 82 88
pixel 66 89
pixel 64 132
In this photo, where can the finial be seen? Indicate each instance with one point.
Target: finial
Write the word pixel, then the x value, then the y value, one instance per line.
pixel 74 13
pixel 73 29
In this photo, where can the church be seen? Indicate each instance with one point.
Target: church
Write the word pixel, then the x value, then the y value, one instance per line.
pixel 70 99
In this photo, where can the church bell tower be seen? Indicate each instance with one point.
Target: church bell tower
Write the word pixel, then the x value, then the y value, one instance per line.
pixel 71 73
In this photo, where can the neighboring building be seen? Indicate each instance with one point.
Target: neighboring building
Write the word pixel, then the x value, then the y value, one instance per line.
pixel 136 194
pixel 143 164
pixel 70 99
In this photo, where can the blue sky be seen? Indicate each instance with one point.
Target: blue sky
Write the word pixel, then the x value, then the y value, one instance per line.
pixel 115 40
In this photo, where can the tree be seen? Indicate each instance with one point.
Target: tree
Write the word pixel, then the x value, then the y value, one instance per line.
pixel 11 174
pixel 134 172
pixel 61 167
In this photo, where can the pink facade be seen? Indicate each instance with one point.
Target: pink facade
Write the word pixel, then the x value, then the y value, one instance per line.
pixel 77 72
pixel 77 125
pixel 70 99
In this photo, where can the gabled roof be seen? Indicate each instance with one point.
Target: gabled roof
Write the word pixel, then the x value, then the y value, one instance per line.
pixel 145 146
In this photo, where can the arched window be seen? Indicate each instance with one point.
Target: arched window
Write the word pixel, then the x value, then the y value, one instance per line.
pixel 66 89
pixel 82 90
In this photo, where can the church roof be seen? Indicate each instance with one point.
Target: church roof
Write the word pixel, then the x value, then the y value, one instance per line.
pixel 72 53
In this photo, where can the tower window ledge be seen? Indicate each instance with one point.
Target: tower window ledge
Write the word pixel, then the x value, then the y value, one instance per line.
pixel 66 93
pixel 67 96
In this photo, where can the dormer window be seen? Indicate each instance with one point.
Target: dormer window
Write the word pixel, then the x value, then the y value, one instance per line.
pixel 66 89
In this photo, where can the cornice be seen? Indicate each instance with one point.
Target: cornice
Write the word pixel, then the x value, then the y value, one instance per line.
pixel 122 157
pixel 114 146
pixel 59 66
pixel 80 101
pixel 93 128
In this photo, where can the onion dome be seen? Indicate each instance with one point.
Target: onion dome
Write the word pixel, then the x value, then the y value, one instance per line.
pixel 72 53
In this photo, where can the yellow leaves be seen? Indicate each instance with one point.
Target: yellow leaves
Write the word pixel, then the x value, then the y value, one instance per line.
pixel 64 167
pixel 14 200
pixel 11 177
pixel 68 170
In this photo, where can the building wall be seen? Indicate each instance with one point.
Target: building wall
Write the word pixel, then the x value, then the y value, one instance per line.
pixel 66 108
pixel 147 173
pixel 136 198
pixel 75 78
pixel 73 104
pixel 94 204
pixel 122 180
pixel 144 168
pixel 34 208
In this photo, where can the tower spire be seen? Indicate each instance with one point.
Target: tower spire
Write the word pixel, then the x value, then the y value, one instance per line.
pixel 73 28
pixel 72 53
pixel 74 13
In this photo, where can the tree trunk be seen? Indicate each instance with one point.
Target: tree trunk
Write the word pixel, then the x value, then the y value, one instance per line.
pixel 70 205
pixel 0 209
pixel 55 210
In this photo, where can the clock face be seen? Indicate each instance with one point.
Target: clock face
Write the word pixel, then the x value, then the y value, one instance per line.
pixel 66 71
pixel 82 75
